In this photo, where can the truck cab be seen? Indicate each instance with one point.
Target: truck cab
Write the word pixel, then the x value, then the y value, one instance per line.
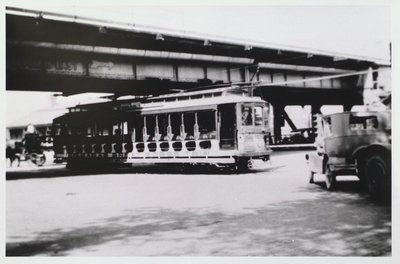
pixel 354 143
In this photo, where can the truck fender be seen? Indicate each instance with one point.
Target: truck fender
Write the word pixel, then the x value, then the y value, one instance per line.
pixel 362 150
pixel 316 162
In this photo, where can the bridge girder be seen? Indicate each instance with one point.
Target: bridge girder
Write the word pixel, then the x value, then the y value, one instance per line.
pixel 61 53
pixel 56 28
pixel 77 68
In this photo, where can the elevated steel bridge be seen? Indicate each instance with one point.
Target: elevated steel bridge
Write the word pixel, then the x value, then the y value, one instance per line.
pixel 62 53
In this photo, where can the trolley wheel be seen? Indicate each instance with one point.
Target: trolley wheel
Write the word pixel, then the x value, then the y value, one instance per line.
pixel 330 179
pixel 377 174
pixel 242 165
pixel 37 159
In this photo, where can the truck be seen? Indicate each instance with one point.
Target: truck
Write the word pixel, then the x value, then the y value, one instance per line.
pixel 354 143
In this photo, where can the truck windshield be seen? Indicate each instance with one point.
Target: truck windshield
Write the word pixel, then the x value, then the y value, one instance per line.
pixel 363 122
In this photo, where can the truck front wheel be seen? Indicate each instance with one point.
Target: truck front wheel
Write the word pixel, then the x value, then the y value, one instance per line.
pixel 377 176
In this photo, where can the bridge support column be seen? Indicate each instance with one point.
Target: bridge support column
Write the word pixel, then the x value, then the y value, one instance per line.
pixel 347 107
pixel 279 121
pixel 315 109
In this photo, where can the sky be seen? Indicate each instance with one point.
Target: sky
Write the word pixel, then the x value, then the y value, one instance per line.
pixel 354 30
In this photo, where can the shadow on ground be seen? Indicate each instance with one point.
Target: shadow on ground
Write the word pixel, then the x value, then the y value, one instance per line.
pixel 152 169
pixel 343 223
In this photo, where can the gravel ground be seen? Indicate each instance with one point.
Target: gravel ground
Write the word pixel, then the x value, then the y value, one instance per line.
pixel 270 211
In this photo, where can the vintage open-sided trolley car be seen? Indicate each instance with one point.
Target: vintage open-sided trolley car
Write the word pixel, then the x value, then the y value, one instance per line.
pixel 222 127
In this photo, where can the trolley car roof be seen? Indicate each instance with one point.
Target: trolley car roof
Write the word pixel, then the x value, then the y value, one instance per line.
pixel 178 102
pixel 195 104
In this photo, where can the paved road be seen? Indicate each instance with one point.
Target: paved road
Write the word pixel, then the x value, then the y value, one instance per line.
pixel 271 211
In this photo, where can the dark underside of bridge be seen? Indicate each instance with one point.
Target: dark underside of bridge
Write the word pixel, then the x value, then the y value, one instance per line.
pixel 278 95
pixel 286 95
pixel 19 80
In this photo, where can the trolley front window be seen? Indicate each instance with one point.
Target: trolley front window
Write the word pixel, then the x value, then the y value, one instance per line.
pixel 247 115
pixel 258 116
pixel 252 115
